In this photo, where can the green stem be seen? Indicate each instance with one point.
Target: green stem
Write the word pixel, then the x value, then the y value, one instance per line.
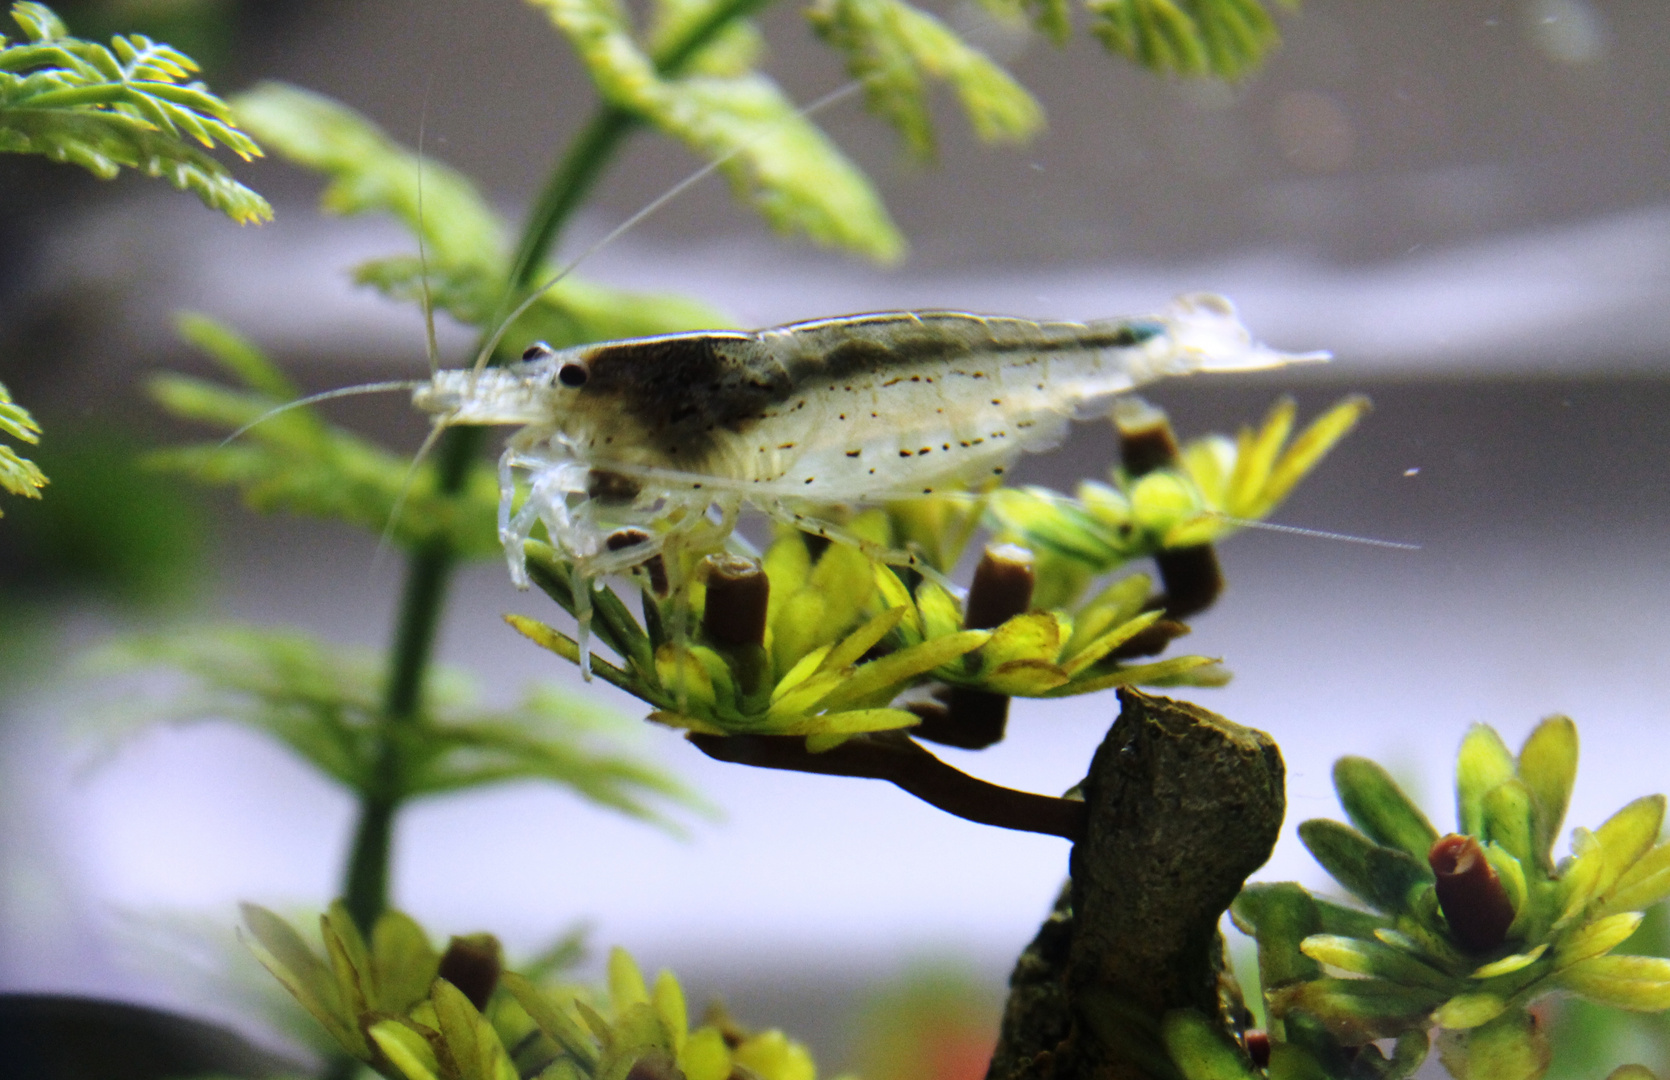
pixel 572 180
pixel 365 881
pixel 570 183
pixel 365 888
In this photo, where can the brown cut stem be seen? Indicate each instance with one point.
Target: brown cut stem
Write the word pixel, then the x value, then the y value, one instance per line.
pixel 893 757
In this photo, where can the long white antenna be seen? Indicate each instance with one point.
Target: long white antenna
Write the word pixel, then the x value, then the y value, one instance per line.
pixel 1318 534
pixel 666 197
pixel 429 441
pixel 429 341
pixel 313 399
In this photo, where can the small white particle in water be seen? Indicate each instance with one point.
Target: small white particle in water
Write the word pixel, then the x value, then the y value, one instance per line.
pixel 1566 31
pixel 1412 471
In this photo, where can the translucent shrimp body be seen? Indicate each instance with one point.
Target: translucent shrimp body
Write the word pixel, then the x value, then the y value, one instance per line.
pixel 628 445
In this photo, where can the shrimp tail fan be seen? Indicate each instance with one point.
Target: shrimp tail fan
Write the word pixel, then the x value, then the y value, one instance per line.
pixel 1209 336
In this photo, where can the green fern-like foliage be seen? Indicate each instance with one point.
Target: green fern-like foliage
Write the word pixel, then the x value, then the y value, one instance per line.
pixel 466 259
pixel 128 105
pixel 295 462
pixel 891 46
pixel 774 156
pixel 18 474
pixel 1224 38
pixel 324 703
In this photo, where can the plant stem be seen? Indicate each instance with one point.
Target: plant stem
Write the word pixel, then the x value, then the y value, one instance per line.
pixel 567 187
pixel 365 880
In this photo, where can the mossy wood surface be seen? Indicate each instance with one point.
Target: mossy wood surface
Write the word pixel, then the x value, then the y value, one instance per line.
pixel 1183 805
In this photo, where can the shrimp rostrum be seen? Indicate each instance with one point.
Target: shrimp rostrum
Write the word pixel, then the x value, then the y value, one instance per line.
pixel 633 449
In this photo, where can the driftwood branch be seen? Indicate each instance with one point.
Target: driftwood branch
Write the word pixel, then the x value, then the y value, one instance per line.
pixel 894 757
pixel 1182 805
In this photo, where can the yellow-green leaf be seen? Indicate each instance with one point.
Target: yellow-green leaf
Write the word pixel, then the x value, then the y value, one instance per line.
pixel 896 668
pixel 626 982
pixel 1033 636
pixel 1024 678
pixel 775 1056
pixel 1509 820
pixel 940 615
pixel 1378 807
pixel 894 594
pixel 803 698
pixel 1548 766
pixel 1110 641
pixel 1201 1050
pixel 683 676
pixel 853 647
pixel 566 647
pixel 1162 499
pixel 471 1041
pixel 1137 675
pixel 1596 939
pixel 403 961
pixel 551 1020
pixel 1509 964
pixel 1310 447
pixel 370 172
pixel 1364 957
pixel 283 952
pixel 409 1051
pixel 1638 983
pixel 850 722
pixel 1470 1010
pixel 705 1055
pixel 1644 884
pixel 1628 835
pixel 1484 763
pixel 349 959
pixel 668 999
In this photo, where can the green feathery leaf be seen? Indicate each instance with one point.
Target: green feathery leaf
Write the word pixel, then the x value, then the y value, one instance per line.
pixel 891 47
pixel 1224 38
pixel 773 155
pixel 733 50
pixel 464 261
pixel 126 105
pixel 295 462
pixel 325 703
pixel 370 172
pixel 18 474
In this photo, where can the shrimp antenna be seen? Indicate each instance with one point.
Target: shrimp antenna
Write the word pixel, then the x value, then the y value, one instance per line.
pixel 1318 534
pixel 838 94
pixel 429 441
pixel 433 347
pixel 314 399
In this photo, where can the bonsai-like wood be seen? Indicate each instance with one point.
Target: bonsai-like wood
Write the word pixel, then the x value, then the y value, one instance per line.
pixel 894 757
pixel 1183 805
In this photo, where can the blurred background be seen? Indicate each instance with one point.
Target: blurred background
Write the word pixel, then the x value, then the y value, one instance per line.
pixel 1466 200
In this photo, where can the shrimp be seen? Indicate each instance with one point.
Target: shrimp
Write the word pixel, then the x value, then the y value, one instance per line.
pixel 632 449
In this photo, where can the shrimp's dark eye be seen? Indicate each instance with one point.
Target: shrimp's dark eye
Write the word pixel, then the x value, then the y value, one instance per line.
pixel 572 375
pixel 537 350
